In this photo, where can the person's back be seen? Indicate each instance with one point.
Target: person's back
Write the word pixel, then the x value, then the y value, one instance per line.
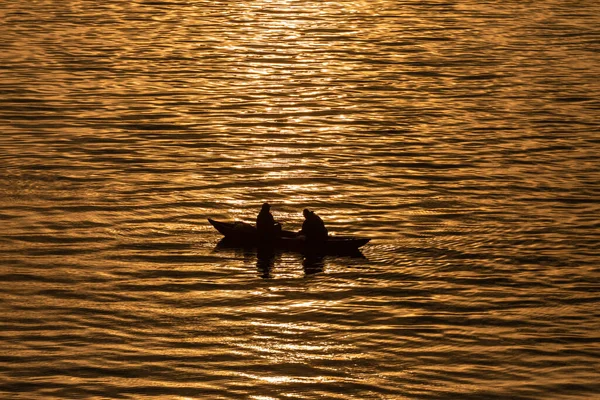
pixel 265 224
pixel 313 227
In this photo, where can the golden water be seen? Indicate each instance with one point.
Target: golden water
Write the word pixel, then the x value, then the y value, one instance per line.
pixel 461 137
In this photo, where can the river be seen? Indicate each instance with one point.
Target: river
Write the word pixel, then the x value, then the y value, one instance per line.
pixel 461 137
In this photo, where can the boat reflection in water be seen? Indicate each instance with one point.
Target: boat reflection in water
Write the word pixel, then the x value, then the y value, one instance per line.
pixel 269 259
pixel 265 261
pixel 313 264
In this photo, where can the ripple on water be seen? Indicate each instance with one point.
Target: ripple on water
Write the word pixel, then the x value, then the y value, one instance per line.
pixel 468 158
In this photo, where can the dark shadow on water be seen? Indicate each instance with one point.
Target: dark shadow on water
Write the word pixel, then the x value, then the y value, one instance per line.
pixel 265 261
pixel 313 264
pixel 267 257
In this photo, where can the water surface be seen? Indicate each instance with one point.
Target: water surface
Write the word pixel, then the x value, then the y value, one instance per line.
pixel 461 137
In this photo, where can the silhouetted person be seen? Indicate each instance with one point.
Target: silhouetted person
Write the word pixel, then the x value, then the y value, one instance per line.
pixel 266 226
pixel 313 228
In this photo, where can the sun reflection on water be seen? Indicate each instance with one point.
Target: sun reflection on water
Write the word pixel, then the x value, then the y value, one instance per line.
pixel 434 129
pixel 288 379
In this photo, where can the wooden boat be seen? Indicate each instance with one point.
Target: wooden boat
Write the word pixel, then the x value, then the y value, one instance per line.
pixel 246 235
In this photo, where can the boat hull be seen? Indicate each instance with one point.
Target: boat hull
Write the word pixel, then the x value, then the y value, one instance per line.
pixel 246 235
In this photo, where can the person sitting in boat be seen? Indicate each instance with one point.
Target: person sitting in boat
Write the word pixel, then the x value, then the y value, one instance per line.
pixel 266 226
pixel 313 227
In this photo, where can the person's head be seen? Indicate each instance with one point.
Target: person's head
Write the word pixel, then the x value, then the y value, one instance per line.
pixel 306 212
pixel 266 207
